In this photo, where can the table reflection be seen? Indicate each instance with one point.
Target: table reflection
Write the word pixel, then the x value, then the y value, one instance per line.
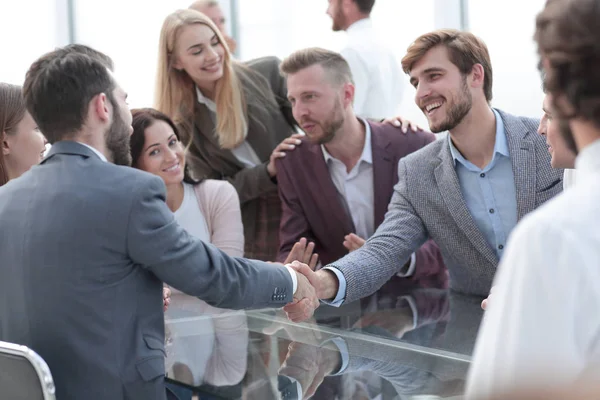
pixel 403 341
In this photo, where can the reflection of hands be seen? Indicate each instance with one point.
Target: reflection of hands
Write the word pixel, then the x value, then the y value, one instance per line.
pixel 166 298
pixel 287 144
pixel 403 124
pixel 305 299
pixel 309 365
pixel 303 252
pixel 396 321
pixel 353 242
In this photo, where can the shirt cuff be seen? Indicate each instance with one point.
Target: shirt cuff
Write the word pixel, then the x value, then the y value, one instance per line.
pixel 294 278
pixel 341 294
pixel 343 349
pixel 410 271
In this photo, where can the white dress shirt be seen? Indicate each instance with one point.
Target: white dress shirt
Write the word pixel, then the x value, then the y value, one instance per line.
pixel 357 192
pixel 569 178
pixel 189 216
pixel 356 187
pixel 377 74
pixel 542 325
pixel 244 153
pixel 102 157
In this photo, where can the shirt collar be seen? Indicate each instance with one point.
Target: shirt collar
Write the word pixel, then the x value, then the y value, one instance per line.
pixel 102 157
pixel 359 25
pixel 367 153
pixel 500 147
pixel 588 161
pixel 205 100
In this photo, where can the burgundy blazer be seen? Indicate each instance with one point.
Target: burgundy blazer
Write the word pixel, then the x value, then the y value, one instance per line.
pixel 311 206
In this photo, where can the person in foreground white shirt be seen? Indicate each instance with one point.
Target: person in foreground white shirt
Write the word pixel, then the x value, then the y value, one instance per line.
pixel 540 329
pixel 376 72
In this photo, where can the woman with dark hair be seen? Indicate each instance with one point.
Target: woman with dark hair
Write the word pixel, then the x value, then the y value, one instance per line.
pixel 22 143
pixel 209 209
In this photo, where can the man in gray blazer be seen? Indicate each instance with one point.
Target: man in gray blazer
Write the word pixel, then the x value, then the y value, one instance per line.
pixel 466 191
pixel 86 245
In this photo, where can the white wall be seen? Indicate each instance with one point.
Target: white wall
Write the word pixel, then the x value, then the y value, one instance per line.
pixel 507 27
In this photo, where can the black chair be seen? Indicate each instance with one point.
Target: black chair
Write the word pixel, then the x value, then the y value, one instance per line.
pixel 25 375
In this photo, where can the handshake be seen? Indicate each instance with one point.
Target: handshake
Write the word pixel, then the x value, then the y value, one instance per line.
pixel 312 285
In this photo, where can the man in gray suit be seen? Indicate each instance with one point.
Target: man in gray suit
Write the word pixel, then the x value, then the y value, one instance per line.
pixel 88 242
pixel 466 191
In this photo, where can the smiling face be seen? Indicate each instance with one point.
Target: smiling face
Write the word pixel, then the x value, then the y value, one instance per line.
pixel 200 54
pixel 162 153
pixel 317 104
pixel 562 155
pixel 443 92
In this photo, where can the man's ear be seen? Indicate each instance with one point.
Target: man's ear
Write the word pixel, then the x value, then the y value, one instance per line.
pixel 349 91
pixel 477 76
pixel 99 107
pixel 5 143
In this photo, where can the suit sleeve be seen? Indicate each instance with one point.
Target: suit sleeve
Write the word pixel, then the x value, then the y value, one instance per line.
pixel 155 241
pixel 293 224
pixel 385 253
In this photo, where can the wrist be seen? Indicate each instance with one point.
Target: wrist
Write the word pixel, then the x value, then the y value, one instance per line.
pixel 328 284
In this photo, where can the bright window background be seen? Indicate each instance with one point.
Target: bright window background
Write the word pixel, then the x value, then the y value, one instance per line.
pixel 507 27
pixel 128 31
pixel 26 35
pixel 278 27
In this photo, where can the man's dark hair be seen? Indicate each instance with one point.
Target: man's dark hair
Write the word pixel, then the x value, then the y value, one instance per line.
pixel 568 39
pixel 365 6
pixel 83 49
pixel 59 87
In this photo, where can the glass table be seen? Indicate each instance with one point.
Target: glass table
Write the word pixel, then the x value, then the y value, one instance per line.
pixel 402 342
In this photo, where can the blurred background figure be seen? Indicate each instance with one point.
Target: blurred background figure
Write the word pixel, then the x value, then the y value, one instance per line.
pixel 377 75
pixel 212 9
pixel 23 145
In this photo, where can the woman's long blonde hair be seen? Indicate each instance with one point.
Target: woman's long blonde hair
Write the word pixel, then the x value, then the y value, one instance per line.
pixel 175 92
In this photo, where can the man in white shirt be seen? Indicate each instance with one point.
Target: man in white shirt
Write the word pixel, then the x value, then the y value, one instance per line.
pixel 377 74
pixel 540 329
pixel 212 10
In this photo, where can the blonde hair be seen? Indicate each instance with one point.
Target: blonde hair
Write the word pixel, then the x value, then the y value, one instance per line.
pixel 175 90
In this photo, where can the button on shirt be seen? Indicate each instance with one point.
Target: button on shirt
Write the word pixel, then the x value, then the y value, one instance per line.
pixel 490 192
pixel 356 187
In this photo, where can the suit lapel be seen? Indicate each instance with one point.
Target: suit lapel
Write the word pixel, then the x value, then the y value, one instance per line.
pixel 522 158
pixel 383 174
pixel 449 186
pixel 326 189
pixel 206 128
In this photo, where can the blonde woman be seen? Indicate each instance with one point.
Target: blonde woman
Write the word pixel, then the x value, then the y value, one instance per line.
pixel 22 143
pixel 234 116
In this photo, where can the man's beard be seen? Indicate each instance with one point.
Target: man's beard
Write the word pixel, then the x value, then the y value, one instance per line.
pixel 567 134
pixel 332 125
pixel 117 139
pixel 457 111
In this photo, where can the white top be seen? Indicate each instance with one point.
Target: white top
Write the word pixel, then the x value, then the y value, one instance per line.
pixel 356 187
pixel 377 74
pixel 542 325
pixel 189 216
pixel 244 153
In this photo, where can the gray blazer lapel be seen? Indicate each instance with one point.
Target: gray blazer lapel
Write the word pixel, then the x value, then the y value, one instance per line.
pixel 447 180
pixel 522 158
